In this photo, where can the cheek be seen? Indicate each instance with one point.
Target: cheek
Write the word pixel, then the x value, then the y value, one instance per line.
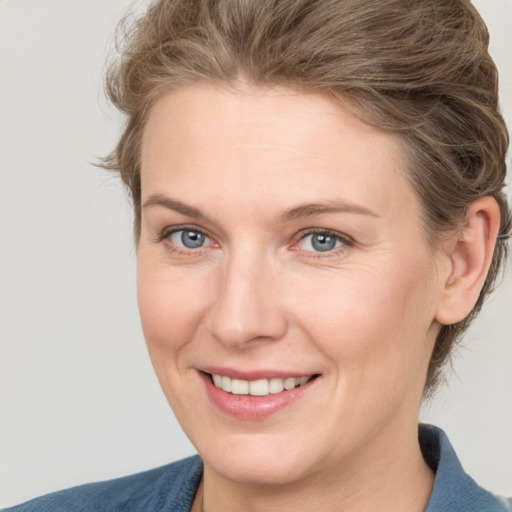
pixel 170 305
pixel 370 324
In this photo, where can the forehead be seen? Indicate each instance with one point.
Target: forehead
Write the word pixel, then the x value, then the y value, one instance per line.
pixel 260 115
pixel 288 145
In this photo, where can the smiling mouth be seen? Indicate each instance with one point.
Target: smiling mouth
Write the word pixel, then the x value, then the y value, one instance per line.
pixel 260 387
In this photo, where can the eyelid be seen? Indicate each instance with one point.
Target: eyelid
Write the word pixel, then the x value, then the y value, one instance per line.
pixel 166 233
pixel 346 240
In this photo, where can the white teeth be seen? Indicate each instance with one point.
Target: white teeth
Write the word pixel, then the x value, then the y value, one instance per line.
pixel 276 385
pixel 260 387
pixel 289 383
pixel 239 387
pixel 226 384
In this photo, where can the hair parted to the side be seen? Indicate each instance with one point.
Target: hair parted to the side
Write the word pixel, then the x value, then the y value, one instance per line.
pixel 417 68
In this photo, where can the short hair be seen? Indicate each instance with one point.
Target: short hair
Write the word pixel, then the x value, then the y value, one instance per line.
pixel 419 69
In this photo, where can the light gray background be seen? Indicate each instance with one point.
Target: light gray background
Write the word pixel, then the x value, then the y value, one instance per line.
pixel 79 401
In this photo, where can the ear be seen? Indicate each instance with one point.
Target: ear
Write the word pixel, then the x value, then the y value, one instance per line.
pixel 469 257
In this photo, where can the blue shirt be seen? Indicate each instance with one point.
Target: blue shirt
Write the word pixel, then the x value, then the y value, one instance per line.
pixel 173 487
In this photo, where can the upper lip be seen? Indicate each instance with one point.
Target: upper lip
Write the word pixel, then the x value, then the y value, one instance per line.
pixel 255 374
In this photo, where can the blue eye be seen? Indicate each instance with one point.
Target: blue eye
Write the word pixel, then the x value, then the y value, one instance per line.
pixel 321 242
pixel 189 238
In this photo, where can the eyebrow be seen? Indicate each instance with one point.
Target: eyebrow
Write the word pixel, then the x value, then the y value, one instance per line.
pixel 173 204
pixel 299 212
pixel 334 206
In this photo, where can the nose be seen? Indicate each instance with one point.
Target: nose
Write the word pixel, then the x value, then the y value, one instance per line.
pixel 247 306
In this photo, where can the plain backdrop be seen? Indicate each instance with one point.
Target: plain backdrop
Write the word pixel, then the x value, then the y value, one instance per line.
pixel 79 401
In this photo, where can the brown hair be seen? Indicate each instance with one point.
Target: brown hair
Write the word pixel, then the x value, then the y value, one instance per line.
pixel 417 68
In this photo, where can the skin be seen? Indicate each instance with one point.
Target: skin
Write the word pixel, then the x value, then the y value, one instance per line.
pixel 256 295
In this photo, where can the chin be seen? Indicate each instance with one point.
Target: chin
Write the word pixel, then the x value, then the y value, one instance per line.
pixel 253 464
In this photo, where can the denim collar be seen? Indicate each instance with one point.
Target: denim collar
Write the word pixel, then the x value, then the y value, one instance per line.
pixel 453 490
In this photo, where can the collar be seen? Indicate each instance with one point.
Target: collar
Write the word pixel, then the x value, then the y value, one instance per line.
pixel 454 490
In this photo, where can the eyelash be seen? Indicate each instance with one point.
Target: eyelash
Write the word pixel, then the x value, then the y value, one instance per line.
pixel 345 240
pixel 166 234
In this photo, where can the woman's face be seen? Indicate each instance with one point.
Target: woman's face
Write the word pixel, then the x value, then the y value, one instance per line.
pixel 282 243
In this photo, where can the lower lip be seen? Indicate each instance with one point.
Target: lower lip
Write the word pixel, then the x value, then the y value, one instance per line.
pixel 250 407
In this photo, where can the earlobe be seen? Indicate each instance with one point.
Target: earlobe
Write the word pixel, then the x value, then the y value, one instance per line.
pixel 469 258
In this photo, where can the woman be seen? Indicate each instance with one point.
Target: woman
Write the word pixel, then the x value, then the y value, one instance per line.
pixel 319 215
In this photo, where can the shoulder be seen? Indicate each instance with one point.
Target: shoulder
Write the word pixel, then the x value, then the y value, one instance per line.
pixel 454 490
pixel 170 487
